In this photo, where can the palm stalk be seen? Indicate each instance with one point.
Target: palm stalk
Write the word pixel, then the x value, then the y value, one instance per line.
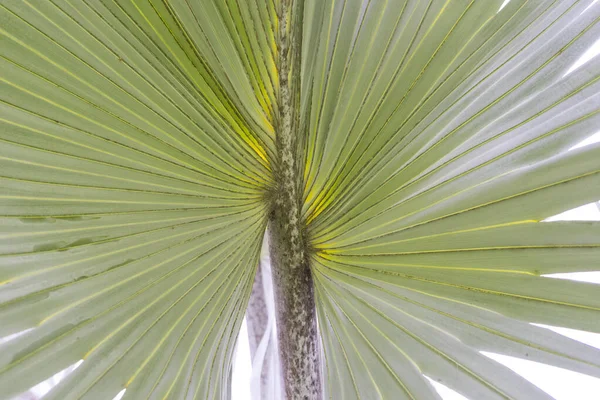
pixel 294 289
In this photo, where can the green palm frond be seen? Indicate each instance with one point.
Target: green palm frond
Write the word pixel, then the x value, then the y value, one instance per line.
pixel 134 148
pixel 436 154
pixel 138 158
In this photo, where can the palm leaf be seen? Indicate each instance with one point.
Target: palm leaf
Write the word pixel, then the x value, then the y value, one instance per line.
pixel 438 144
pixel 134 145
pixel 137 148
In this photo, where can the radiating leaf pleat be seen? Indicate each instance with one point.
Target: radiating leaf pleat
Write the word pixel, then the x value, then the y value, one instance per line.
pixel 438 142
pixel 137 141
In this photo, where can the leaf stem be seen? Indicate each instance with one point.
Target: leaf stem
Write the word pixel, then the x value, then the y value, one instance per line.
pixel 292 279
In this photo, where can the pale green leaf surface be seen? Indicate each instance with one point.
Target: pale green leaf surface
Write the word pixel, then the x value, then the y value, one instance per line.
pixel 438 142
pixel 137 138
pixel 136 143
